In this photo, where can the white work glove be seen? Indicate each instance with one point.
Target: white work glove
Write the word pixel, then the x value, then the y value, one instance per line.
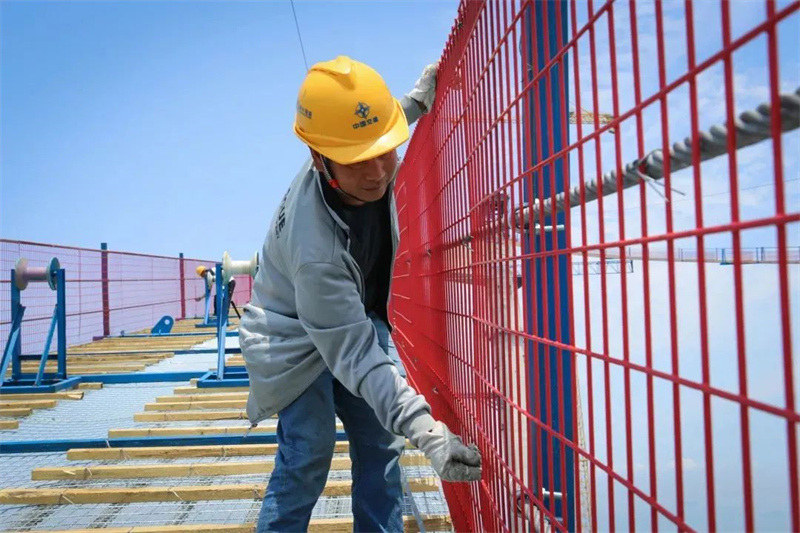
pixel 424 90
pixel 449 457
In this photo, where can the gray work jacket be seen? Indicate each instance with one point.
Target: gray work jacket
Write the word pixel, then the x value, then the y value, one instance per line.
pixel 306 311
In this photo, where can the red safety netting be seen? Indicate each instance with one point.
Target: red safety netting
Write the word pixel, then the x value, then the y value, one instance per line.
pixel 657 396
pixel 139 289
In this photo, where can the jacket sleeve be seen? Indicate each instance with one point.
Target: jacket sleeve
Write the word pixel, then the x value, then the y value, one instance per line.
pixel 412 109
pixel 330 309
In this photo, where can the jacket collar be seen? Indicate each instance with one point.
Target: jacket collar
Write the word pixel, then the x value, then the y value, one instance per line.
pixel 321 197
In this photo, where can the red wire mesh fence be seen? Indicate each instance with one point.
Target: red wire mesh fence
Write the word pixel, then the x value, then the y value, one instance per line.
pixel 660 135
pixel 107 292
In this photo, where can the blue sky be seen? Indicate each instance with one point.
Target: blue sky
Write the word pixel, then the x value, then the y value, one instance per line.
pixel 165 127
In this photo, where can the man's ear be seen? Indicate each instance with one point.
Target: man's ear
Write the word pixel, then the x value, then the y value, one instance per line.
pixel 316 157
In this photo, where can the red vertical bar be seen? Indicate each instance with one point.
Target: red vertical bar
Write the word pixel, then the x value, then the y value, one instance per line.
pixel 181 270
pixel 603 278
pixel 737 269
pixel 585 258
pixel 563 253
pixel 623 275
pixel 701 272
pixel 673 318
pixel 104 288
pixel 648 339
pixel 783 276
pixel 519 421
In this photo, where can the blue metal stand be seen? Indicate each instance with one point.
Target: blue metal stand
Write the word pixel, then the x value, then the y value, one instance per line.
pixel 38 382
pixel 232 376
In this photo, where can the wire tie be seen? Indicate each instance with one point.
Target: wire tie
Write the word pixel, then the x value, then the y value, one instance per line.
pixel 64 496
pixel 176 494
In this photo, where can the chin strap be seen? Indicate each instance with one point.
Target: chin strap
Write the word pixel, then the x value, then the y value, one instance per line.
pixel 335 184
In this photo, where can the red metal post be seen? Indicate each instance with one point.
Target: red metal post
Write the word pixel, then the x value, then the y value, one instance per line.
pixel 182 272
pixel 104 285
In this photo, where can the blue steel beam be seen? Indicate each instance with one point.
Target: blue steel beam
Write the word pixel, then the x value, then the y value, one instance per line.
pixel 36 446
pixel 223 302
pixel 16 307
pixel 61 312
pixel 52 383
pixel 46 352
pixel 14 333
pixel 26 357
pixel 542 20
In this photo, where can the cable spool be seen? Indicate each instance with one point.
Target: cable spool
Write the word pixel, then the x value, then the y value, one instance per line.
pixel 207 274
pixel 24 273
pixel 231 268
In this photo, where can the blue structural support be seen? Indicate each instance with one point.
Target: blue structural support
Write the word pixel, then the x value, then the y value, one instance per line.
pixel 28 357
pixel 73 381
pixel 16 346
pixel 38 446
pixel 223 302
pixel 61 312
pixel 547 306
pixel 17 312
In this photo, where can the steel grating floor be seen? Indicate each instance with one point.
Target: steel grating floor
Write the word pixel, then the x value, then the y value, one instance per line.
pixel 114 407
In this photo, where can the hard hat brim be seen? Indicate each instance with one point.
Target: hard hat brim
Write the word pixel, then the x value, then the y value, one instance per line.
pixel 349 154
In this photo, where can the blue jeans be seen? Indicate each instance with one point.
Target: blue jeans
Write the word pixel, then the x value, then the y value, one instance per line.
pixel 306 438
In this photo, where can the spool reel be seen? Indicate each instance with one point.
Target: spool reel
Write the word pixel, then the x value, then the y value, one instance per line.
pixel 231 268
pixel 25 273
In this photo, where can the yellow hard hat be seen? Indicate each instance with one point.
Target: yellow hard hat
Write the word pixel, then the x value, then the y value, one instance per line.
pixel 201 270
pixel 346 112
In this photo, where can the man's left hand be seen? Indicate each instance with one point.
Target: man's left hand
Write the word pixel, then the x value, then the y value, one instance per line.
pixel 424 90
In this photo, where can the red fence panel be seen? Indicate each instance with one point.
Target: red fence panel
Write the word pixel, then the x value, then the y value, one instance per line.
pixel 660 135
pixel 141 289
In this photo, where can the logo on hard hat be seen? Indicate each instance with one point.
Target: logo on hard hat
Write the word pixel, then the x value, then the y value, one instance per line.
pixel 362 110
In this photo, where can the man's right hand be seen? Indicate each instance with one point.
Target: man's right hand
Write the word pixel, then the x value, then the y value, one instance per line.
pixel 451 459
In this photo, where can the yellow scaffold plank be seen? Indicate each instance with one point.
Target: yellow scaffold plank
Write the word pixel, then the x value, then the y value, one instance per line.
pixel 316 525
pixel 68 395
pixel 189 528
pixel 202 397
pixel 90 386
pixel 171 452
pixel 33 404
pixel 63 496
pixel 9 424
pixel 196 430
pixel 191 406
pixel 100 365
pixel 186 469
pixel 15 411
pixel 208 390
pixel 237 414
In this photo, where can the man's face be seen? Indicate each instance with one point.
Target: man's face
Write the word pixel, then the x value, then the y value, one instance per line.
pixel 367 180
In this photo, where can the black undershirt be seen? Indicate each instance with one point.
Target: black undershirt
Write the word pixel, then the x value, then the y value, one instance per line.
pixel 370 245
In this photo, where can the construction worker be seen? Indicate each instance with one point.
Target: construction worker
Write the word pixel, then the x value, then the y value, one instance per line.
pixel 315 336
